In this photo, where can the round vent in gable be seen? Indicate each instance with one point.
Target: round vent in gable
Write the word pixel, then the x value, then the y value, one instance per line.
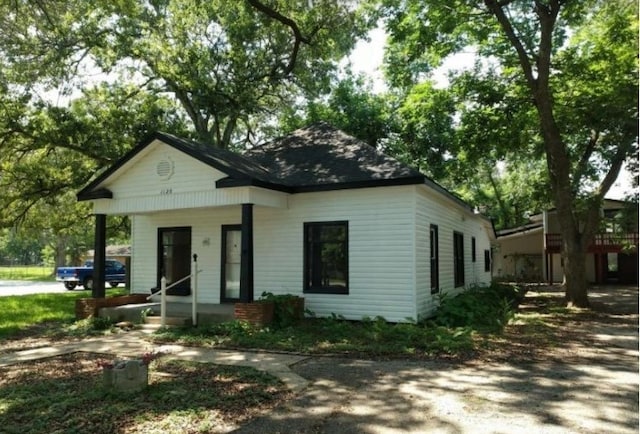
pixel 164 169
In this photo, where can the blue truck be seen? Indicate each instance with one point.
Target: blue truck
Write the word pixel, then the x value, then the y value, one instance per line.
pixel 115 273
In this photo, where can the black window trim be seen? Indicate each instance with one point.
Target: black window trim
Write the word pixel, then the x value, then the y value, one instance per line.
pixel 434 261
pixel 458 260
pixel 487 260
pixel 324 289
pixel 473 249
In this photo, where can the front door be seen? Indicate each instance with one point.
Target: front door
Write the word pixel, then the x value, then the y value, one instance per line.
pixel 230 267
pixel 174 258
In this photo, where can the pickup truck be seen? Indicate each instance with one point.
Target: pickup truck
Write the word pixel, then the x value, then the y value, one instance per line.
pixel 74 276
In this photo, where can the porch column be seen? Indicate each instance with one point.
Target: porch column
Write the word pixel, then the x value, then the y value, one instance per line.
pixel 100 247
pixel 246 254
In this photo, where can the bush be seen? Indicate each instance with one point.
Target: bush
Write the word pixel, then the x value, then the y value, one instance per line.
pixel 486 309
pixel 288 309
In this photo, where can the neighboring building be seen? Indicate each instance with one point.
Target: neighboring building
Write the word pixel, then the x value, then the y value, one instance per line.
pixel 317 213
pixel 533 252
pixel 119 252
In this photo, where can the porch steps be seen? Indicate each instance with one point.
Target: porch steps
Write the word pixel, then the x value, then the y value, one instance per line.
pixel 179 314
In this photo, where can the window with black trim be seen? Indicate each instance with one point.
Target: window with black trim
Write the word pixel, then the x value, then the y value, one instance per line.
pixel 458 259
pixel 326 257
pixel 473 249
pixel 433 254
pixel 487 260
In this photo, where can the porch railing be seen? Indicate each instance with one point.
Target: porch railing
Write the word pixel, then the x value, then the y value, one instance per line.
pixel 602 242
pixel 194 294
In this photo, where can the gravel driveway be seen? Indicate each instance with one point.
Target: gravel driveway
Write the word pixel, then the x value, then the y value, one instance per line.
pixel 588 383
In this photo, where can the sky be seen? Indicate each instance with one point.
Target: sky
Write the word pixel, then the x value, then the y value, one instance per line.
pixel 367 57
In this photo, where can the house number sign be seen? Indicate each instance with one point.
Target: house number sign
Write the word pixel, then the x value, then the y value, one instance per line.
pixel 166 191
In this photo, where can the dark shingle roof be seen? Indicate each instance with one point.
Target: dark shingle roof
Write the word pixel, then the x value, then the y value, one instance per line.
pixel 322 155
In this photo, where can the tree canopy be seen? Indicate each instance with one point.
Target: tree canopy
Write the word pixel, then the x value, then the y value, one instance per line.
pixel 559 80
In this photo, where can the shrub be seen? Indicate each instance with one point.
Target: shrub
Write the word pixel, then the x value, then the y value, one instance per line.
pixel 287 309
pixel 486 309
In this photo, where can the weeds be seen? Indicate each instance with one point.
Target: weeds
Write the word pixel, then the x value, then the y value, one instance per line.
pixel 485 309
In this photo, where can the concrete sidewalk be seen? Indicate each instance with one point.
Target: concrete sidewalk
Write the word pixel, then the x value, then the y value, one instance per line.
pixel 132 344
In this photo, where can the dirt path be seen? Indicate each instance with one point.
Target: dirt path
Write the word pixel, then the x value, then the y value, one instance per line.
pixel 579 374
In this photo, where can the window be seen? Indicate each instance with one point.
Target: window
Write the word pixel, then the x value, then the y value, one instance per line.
pixel 458 259
pixel 326 257
pixel 473 249
pixel 433 254
pixel 487 260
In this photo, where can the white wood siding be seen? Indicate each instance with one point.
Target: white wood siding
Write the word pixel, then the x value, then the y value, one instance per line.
pixel 433 208
pixel 381 249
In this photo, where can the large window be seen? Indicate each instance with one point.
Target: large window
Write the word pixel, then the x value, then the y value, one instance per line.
pixel 433 253
pixel 326 257
pixel 458 259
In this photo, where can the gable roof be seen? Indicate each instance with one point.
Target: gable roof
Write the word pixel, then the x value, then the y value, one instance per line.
pixel 317 158
pixel 228 162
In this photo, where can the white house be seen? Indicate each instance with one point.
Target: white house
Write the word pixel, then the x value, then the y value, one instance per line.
pixel 533 252
pixel 317 213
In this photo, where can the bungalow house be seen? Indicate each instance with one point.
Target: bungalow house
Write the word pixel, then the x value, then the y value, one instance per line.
pixel 317 213
pixel 532 252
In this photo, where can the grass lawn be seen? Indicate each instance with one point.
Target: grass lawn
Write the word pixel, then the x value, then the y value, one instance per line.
pixel 31 273
pixel 19 314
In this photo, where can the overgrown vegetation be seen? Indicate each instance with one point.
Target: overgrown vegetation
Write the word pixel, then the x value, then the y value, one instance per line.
pixel 453 331
pixel 485 309
pixel 371 337
pixel 182 397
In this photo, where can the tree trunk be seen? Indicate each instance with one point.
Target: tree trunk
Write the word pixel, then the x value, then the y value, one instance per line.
pixel 575 269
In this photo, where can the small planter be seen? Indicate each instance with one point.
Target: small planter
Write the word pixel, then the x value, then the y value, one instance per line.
pixel 126 376
pixel 259 312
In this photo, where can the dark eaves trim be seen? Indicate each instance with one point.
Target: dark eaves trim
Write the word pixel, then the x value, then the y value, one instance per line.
pixel 245 182
pixel 359 184
pixel 251 182
pixel 101 193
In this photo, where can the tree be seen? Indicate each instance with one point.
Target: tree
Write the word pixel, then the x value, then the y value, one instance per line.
pixel 576 63
pixel 228 63
pixel 351 106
